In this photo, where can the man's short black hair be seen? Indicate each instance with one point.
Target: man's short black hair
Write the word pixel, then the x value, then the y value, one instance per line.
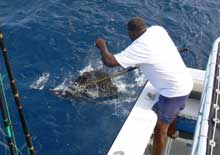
pixel 136 24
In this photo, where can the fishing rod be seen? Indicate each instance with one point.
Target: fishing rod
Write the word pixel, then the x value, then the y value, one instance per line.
pixel 16 97
pixel 111 76
pixel 122 72
pixel 7 123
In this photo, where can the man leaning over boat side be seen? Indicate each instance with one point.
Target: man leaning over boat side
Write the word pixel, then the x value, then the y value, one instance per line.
pixel 154 52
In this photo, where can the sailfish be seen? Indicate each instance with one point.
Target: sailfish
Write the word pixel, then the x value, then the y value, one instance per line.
pixel 92 84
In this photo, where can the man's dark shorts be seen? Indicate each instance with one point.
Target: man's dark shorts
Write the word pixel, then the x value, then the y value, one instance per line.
pixel 167 108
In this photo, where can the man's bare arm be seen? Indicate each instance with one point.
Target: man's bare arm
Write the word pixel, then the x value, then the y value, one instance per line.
pixel 108 59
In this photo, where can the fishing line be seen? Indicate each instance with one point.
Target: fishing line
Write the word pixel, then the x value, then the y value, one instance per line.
pixel 8 113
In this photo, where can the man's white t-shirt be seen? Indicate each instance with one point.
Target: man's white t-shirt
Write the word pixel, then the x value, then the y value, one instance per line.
pixel 157 56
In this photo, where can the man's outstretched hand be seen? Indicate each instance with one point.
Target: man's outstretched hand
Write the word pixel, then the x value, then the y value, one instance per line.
pixel 107 57
pixel 100 43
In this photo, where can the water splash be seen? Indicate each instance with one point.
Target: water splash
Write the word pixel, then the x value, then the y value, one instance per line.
pixel 87 69
pixel 40 83
pixel 125 88
pixel 140 79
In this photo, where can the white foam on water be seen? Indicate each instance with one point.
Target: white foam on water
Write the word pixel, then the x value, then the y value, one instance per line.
pixel 120 105
pixel 124 86
pixel 140 79
pixel 120 83
pixel 129 90
pixel 40 83
pixel 86 69
pixel 90 67
pixel 61 86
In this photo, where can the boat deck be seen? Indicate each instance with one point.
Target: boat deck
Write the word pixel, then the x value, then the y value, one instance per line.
pixel 181 145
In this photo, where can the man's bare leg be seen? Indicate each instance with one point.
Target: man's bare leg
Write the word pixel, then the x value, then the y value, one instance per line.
pixel 172 129
pixel 160 136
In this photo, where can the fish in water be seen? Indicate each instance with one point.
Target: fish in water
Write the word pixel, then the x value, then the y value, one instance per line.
pixel 84 86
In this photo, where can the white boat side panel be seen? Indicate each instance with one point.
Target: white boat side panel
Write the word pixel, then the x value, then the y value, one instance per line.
pixel 198 75
pixel 136 131
pixel 191 109
pixel 198 79
pixel 201 133
pixel 202 146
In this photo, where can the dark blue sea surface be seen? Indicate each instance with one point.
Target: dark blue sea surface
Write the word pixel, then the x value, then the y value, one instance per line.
pixel 56 38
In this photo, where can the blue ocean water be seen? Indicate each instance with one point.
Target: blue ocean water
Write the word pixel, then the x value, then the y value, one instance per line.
pixel 57 37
